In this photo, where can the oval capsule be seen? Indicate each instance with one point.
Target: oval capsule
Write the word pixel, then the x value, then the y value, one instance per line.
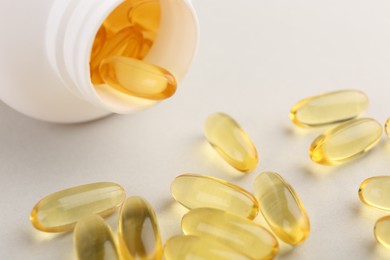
pixel 227 137
pixel 193 247
pixel 59 212
pixel 139 234
pixel 282 208
pixel 93 239
pixel 200 191
pixel 329 108
pixel 382 231
pixel 375 192
pixel 137 78
pixel 345 141
pixel 238 233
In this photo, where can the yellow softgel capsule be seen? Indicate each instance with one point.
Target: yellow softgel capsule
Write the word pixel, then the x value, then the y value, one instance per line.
pixel 146 15
pixel 282 208
pixel 231 142
pixel 119 18
pixel 375 192
pixel 193 247
pixel 387 127
pixel 346 141
pixel 139 235
pixel 138 78
pixel 238 233
pixel 93 240
pixel 382 231
pixel 59 212
pixel 201 191
pixel 329 108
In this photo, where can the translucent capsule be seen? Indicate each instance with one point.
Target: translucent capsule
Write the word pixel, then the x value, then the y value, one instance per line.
pixel 119 18
pixel 329 108
pixel 387 127
pixel 93 240
pixel 146 15
pixel 375 192
pixel 127 42
pixel 137 78
pixel 200 191
pixel 59 212
pixel 193 247
pixel 139 235
pixel 236 232
pixel 231 142
pixel 282 208
pixel 345 141
pixel 382 231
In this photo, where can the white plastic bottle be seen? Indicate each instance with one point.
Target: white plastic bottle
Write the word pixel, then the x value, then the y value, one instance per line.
pixel 45 50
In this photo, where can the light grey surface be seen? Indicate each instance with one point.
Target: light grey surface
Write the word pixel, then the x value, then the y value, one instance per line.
pixel 255 60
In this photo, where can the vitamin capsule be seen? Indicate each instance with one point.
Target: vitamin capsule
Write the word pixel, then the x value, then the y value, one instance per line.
pixel 93 240
pixel 137 78
pixel 192 247
pixel 346 141
pixel 329 108
pixel 231 142
pixel 375 192
pixel 387 127
pixel 126 42
pixel 382 231
pixel 139 235
pixel 60 211
pixel 238 233
pixel 282 208
pixel 200 191
pixel 146 15
pixel 100 40
pixel 119 18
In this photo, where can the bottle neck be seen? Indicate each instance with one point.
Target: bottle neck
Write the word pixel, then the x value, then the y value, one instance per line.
pixel 71 30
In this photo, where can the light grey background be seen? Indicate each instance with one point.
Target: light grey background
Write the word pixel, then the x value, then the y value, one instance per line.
pixel 255 60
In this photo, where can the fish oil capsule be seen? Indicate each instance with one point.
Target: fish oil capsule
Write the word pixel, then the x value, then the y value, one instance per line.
pixel 139 235
pixel 193 247
pixel 346 141
pixel 231 142
pixel 236 232
pixel 382 231
pixel 146 15
pixel 93 240
pixel 138 78
pixel 282 208
pixel 59 212
pixel 126 42
pixel 375 192
pixel 387 127
pixel 201 191
pixel 119 18
pixel 329 108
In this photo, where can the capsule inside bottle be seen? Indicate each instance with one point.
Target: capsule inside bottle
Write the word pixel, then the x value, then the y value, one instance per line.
pixel 329 108
pixel 375 192
pixel 282 208
pixel 346 141
pixel 201 191
pixel 231 142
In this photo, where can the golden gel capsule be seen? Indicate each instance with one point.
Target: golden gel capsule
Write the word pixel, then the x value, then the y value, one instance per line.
pixel 139 235
pixel 119 18
pixel 138 78
pixel 346 141
pixel 387 127
pixel 200 191
pixel 146 15
pixel 282 208
pixel 382 231
pixel 329 108
pixel 93 240
pixel 59 212
pixel 196 248
pixel 231 142
pixel 238 233
pixel 375 192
